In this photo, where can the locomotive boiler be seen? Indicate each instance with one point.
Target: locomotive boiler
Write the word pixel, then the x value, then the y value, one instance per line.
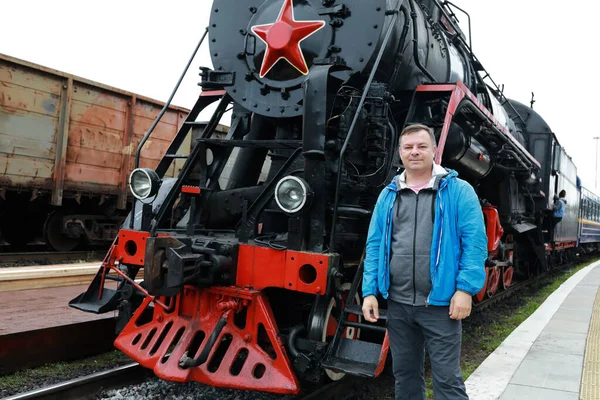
pixel 252 254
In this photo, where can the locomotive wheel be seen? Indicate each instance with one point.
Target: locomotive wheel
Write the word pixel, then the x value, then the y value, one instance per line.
pixel 493 281
pixel 507 277
pixel 53 233
pixel 479 297
pixel 323 324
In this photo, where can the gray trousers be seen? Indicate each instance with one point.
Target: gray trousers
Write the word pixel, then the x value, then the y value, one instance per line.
pixel 411 330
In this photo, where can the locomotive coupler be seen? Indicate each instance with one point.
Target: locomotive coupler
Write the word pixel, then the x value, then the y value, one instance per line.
pixel 171 263
pixel 203 267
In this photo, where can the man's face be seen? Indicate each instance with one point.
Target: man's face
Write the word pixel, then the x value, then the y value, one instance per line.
pixel 417 151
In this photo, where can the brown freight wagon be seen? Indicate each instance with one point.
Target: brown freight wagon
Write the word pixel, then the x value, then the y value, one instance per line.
pixel 67 147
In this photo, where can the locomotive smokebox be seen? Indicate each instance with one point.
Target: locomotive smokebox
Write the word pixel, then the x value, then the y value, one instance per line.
pixel 269 47
pixel 265 49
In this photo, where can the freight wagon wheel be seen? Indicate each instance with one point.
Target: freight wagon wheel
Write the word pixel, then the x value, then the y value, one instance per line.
pixel 323 324
pixel 481 295
pixel 493 281
pixel 16 229
pixel 54 236
pixel 507 277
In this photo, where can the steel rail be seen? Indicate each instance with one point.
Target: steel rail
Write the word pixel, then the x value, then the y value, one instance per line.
pixel 87 385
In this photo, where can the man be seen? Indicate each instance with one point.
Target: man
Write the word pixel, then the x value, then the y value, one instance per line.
pixel 559 207
pixel 425 254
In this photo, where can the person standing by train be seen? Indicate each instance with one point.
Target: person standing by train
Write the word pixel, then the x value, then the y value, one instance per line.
pixel 559 207
pixel 426 249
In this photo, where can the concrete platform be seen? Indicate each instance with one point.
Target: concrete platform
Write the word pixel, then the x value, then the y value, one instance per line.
pixel 544 357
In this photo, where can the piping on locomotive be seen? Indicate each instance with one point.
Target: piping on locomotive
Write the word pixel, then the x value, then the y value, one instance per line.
pixel 252 282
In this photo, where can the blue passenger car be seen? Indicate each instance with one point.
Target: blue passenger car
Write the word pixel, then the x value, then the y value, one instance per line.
pixel 589 220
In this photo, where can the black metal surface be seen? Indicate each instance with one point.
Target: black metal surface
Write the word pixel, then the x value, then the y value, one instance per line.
pixel 156 280
pixel 246 171
pixel 356 309
pixel 313 149
pixel 165 162
pixel 190 162
pixel 87 386
pixel 260 144
pixel 245 229
pixel 353 125
pixel 89 301
pixel 235 49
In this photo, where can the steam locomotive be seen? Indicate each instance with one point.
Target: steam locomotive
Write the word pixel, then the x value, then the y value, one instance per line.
pixel 252 280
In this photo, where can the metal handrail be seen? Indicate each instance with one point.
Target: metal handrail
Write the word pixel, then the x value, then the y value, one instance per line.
pixel 167 104
pixel 355 119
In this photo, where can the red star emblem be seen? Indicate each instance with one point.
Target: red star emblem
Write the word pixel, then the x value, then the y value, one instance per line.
pixel 283 38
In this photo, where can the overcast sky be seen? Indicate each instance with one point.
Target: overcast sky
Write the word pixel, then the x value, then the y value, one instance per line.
pixel 537 46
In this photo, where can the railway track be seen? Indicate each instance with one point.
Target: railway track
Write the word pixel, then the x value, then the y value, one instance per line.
pixel 87 386
pixel 338 390
pixel 49 256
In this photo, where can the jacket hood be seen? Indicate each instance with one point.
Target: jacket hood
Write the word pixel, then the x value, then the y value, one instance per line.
pixel 437 170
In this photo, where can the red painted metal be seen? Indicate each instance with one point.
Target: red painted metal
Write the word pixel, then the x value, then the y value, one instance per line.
pixel 283 38
pixel 459 92
pixel 190 189
pixel 209 93
pixel 493 281
pixel 493 227
pixel 261 267
pixel 479 297
pixel 196 313
pixel 385 347
pixel 561 245
pixel 507 277
pixel 110 263
pixel 436 88
pixel 455 99
pixel 131 247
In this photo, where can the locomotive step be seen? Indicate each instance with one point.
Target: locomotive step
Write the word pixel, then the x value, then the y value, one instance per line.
pixel 355 357
pixel 356 309
pixel 361 325
pixel 259 144
pixel 176 156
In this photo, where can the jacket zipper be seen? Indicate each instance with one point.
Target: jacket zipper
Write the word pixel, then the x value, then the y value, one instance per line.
pixel 387 227
pixel 414 249
pixel 437 260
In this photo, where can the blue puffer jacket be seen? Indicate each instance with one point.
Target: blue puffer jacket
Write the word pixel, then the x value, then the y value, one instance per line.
pixel 458 247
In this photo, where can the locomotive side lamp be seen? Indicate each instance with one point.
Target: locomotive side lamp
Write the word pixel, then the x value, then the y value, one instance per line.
pixel 291 194
pixel 144 183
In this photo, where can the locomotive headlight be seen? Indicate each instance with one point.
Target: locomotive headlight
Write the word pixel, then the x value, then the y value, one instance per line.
pixel 144 182
pixel 291 194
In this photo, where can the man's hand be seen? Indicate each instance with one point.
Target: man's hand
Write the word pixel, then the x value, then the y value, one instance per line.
pixel 370 303
pixel 460 305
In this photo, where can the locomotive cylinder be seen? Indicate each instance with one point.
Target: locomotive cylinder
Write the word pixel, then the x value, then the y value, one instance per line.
pixel 465 153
